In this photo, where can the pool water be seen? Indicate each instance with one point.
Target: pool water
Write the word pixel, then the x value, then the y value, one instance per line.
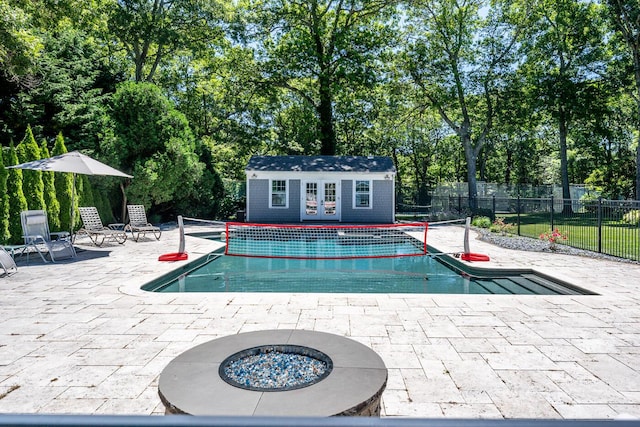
pixel 411 274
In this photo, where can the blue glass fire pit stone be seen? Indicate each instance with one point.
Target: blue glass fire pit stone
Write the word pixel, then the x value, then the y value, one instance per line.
pixel 275 368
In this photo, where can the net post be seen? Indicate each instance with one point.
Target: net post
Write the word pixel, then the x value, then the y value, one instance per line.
pixel 467 226
pixel 181 228
pixel 226 240
pixel 426 226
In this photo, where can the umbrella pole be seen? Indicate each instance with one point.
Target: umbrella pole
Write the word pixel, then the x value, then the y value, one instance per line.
pixel 73 211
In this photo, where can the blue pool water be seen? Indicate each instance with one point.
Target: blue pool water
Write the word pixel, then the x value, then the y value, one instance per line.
pixel 411 274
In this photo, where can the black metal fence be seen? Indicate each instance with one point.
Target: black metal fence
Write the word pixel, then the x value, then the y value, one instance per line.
pixel 610 227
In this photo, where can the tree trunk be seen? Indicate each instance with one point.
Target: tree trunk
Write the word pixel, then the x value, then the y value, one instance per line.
pixel 399 186
pixel 564 164
pixel 325 115
pixel 472 161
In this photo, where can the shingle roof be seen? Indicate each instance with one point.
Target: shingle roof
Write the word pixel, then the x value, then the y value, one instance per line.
pixel 321 164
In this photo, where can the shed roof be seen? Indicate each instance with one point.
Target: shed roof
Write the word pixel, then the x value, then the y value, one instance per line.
pixel 321 164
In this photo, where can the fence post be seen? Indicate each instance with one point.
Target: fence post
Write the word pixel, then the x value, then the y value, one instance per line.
pixel 518 212
pixel 493 207
pixel 552 212
pixel 599 225
pixel 459 203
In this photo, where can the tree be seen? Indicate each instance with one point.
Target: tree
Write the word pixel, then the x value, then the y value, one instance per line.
pixel 50 199
pixel 153 142
pixel 32 184
pixel 315 49
pixel 17 201
pixel 64 188
pixel 19 44
pixel 626 16
pixel 458 60
pixel 153 31
pixel 564 53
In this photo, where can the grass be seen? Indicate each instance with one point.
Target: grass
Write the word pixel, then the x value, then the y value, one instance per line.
pixel 617 239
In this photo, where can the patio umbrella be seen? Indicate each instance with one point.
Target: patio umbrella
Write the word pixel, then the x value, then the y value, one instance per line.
pixel 73 162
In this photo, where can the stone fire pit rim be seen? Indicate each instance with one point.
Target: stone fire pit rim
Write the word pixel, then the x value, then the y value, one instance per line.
pixel 190 383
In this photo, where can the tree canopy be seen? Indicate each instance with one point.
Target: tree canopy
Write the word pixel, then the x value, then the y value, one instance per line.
pixel 179 93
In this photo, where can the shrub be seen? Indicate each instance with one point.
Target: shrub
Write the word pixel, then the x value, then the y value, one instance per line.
pixel 553 237
pixel 481 221
pixel 632 217
pixel 484 212
pixel 499 226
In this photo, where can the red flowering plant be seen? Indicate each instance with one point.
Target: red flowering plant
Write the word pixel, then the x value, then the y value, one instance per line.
pixel 553 237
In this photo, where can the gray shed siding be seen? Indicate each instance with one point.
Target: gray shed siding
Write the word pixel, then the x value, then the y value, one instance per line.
pixel 258 210
pixel 383 204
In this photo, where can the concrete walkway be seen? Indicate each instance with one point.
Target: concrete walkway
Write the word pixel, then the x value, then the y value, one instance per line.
pixel 80 337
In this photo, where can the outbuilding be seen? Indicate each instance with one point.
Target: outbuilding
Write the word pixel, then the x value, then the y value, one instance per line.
pixel 284 189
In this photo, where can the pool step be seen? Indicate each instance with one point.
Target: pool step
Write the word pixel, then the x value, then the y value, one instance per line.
pixel 555 287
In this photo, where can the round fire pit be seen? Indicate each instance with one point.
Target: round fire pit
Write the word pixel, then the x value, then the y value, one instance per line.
pixel 275 373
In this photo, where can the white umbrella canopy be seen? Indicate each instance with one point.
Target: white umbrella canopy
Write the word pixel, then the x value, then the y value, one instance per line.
pixel 73 162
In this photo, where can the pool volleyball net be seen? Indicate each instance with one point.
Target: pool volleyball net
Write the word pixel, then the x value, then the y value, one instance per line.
pixel 326 241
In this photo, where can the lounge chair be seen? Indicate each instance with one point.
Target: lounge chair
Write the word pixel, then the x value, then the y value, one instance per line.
pixel 7 263
pixel 92 226
pixel 35 231
pixel 138 224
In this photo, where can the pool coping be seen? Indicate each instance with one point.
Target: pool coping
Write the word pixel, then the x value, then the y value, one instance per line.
pixel 470 268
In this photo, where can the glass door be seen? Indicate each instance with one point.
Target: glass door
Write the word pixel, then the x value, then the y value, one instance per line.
pixel 320 200
pixel 329 200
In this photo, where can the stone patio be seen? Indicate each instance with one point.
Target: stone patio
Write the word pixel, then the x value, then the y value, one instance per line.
pixel 80 337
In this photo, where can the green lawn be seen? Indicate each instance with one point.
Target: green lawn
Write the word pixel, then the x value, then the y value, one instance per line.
pixel 618 239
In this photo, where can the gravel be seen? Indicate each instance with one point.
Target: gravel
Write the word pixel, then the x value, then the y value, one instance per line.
pixel 536 245
pixel 275 370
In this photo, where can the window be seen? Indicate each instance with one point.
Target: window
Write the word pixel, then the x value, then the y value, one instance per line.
pixel 278 194
pixel 362 194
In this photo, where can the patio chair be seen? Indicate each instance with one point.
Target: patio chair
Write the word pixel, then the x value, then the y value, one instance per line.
pixel 92 227
pixel 7 263
pixel 138 224
pixel 35 231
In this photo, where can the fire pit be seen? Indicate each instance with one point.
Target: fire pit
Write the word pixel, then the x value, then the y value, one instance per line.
pixel 275 373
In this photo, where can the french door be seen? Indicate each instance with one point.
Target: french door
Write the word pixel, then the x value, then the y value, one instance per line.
pixel 320 200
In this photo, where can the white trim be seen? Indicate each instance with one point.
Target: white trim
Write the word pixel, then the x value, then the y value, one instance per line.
pixel 286 194
pixel 319 176
pixel 353 194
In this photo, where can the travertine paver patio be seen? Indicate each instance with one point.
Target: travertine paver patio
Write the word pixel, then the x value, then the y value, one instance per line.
pixel 81 337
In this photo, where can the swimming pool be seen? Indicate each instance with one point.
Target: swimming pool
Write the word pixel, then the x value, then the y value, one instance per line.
pixel 413 274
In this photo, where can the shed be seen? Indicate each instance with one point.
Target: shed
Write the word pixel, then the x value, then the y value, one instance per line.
pixel 349 189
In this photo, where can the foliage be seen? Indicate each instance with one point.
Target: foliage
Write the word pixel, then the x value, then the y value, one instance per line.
pixel 626 19
pixel 450 89
pixel 50 199
pixel 502 227
pixel 64 189
pixel 564 61
pixel 458 59
pixel 32 184
pixel 17 201
pixel 481 221
pixel 165 165
pixel 316 50
pixel 20 44
pixel 553 237
pixel 153 31
pixel 632 217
